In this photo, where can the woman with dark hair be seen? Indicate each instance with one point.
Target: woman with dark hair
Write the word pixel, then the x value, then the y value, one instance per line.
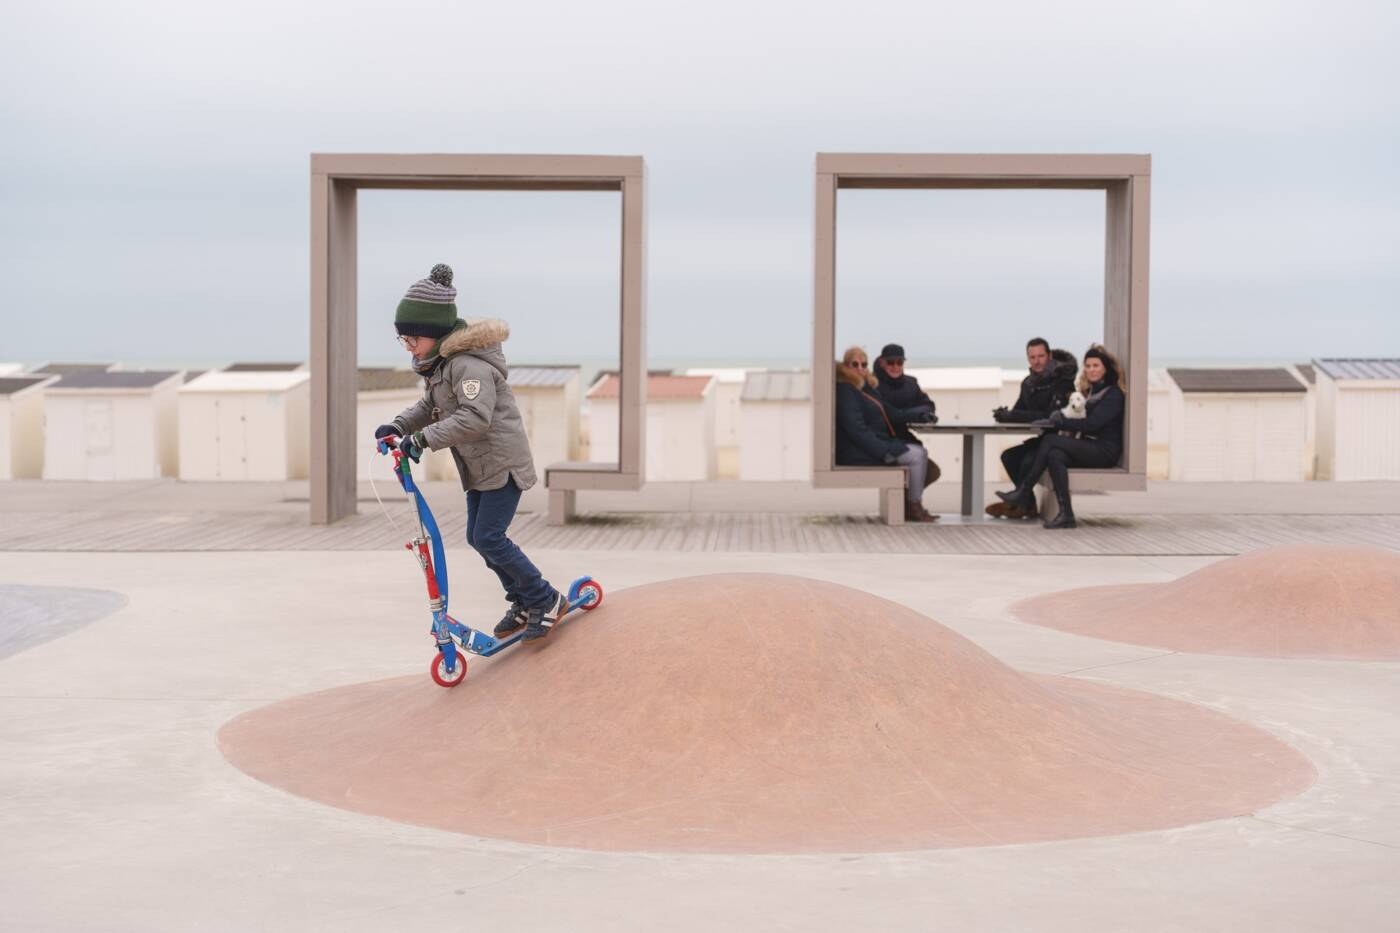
pixel 1096 440
pixel 865 435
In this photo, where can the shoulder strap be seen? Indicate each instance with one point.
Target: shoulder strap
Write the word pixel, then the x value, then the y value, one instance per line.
pixel 880 406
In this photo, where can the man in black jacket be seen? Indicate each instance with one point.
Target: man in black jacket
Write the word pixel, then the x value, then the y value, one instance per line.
pixel 904 399
pixel 1046 389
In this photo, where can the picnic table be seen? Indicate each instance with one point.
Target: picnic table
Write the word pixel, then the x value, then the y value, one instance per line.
pixel 974 447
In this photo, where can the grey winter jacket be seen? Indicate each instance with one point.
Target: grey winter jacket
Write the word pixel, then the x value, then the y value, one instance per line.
pixel 469 407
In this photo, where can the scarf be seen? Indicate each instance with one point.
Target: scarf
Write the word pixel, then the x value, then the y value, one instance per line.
pixel 426 365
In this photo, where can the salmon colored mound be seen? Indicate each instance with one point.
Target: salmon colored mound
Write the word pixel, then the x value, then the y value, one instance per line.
pixel 1334 603
pixel 760 713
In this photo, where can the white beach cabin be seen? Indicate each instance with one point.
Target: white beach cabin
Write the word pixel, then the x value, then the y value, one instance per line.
pixel 111 426
pixel 775 414
pixel 383 394
pixel 22 425
pixel 729 389
pixel 1237 425
pixel 1307 374
pixel 245 425
pixel 1358 419
pixel 548 399
pixel 680 427
pixel 965 394
pixel 1159 424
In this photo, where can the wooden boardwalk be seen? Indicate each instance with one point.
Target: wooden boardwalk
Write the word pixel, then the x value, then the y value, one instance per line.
pixel 286 528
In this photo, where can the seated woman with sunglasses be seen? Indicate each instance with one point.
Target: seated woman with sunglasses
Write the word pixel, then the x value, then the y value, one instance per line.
pixel 1096 440
pixel 865 435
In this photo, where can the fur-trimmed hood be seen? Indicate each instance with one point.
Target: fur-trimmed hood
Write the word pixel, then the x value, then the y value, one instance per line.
pixel 481 337
pixel 477 334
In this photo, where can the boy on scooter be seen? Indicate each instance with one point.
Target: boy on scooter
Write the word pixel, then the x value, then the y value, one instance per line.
pixel 468 408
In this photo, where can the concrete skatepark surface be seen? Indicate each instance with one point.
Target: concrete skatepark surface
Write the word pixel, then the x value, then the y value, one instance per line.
pixel 119 813
pixel 1305 601
pixel 762 713
pixel 32 615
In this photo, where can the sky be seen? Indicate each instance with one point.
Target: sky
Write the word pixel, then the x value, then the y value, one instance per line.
pixel 154 201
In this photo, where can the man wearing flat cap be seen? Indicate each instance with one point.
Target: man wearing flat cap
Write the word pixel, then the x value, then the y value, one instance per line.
pixel 903 398
pixel 905 402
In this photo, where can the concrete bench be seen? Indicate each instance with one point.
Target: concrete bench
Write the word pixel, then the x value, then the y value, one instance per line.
pixel 563 481
pixel 1106 479
pixel 889 481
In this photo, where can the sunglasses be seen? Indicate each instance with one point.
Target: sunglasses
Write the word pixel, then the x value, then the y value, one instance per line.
pixel 860 365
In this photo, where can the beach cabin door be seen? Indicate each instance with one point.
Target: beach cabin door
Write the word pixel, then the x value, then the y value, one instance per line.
pixel 99 459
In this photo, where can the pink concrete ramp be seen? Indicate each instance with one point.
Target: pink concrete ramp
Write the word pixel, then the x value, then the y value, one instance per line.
pixel 761 713
pixel 1307 601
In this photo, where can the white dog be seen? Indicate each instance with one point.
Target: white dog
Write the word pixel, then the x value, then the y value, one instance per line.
pixel 1075 408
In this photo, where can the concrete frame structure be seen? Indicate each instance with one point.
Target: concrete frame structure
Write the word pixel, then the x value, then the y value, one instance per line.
pixel 335 181
pixel 1126 182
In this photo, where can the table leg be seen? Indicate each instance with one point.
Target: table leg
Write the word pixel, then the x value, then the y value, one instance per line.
pixel 979 471
pixel 969 446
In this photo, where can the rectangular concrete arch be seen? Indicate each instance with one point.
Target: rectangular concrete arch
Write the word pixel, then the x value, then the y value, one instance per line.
pixel 335 181
pixel 1126 183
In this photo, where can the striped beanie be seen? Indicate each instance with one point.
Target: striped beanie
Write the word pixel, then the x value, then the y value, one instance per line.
pixel 429 307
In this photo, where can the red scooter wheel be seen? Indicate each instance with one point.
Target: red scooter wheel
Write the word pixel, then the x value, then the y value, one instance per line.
pixel 596 589
pixel 439 669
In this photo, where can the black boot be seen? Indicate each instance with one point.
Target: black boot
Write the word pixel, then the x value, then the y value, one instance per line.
pixel 1022 498
pixel 1058 468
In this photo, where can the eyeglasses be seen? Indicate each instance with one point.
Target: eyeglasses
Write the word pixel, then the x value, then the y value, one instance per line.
pixel 408 342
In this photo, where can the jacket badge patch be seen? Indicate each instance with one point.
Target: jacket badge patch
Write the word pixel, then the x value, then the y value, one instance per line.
pixel 471 388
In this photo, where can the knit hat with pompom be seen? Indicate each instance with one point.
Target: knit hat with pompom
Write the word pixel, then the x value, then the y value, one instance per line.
pixel 429 307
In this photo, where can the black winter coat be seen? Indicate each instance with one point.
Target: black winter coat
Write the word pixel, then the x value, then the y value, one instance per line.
pixel 863 437
pixel 1103 417
pixel 906 402
pixel 1042 394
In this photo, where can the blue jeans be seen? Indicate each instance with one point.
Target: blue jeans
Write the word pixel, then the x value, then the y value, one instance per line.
pixel 489 514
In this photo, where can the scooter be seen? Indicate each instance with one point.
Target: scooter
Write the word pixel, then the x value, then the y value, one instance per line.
pixel 449 668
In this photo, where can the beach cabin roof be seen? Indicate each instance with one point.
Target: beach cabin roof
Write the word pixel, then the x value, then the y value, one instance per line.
pixel 777 386
pixel 1236 380
pixel 1360 368
pixel 262 367
pixel 64 369
pixel 659 388
pixel 14 385
pixel 98 382
pixel 385 379
pixel 541 376
pixel 729 375
pixel 247 381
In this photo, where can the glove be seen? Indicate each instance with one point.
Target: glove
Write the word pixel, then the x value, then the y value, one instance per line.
pixel 413 446
pixel 999 414
pixel 383 431
pixel 1056 418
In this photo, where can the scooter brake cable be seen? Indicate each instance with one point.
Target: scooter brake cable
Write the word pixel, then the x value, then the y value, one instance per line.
pixel 382 507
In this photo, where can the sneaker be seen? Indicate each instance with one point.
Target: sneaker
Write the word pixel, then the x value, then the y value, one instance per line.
pixel 514 618
pixel 540 620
